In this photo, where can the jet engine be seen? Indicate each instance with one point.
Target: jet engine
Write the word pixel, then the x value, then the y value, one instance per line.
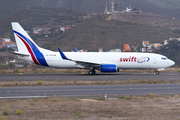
pixel 109 68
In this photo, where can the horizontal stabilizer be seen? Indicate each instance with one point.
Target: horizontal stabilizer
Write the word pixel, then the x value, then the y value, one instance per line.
pixel 18 53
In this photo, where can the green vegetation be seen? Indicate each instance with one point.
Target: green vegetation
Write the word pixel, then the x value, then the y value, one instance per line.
pixel 3 118
pixel 97 32
pixel 172 51
pixel 40 82
pixel 37 16
pixel 132 107
pixel 121 97
pixel 62 82
pixel 165 3
pixel 19 112
pixel 6 110
pixel 79 115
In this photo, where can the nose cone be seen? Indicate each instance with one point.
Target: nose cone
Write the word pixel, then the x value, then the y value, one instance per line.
pixel 171 63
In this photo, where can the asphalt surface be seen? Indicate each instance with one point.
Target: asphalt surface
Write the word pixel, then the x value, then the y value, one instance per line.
pixel 97 77
pixel 88 90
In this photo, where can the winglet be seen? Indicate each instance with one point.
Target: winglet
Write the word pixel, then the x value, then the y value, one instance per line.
pixel 62 54
pixel 75 50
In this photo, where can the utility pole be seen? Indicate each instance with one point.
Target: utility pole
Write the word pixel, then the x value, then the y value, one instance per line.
pixel 112 8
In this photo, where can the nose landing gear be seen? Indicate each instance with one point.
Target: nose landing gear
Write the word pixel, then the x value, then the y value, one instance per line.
pixel 157 72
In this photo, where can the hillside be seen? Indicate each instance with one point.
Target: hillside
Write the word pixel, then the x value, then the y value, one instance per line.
pixel 40 17
pixel 169 8
pixel 97 32
pixel 149 18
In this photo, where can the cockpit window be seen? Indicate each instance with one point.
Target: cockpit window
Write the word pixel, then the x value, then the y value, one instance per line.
pixel 164 58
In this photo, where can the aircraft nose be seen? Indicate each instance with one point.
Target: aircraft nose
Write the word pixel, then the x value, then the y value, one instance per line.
pixel 171 63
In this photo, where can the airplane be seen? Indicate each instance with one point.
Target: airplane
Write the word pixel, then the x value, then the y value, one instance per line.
pixel 107 62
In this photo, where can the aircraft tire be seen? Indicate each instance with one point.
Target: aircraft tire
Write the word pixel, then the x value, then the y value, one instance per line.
pixel 92 72
pixel 157 72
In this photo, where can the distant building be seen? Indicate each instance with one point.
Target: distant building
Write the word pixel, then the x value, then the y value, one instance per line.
pixel 89 16
pixel 100 49
pixel 6 39
pixel 127 47
pixel 157 45
pixel 166 42
pixel 6 42
pixel 145 43
pixel 11 45
pixel 62 29
pixel 67 27
pixel 35 31
pixel 115 50
pixel 1 42
pixel 83 50
pixel 143 49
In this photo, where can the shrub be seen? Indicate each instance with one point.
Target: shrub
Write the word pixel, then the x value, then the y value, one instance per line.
pixel 6 110
pixel 79 115
pixel 121 97
pixel 3 118
pixel 40 82
pixel 19 112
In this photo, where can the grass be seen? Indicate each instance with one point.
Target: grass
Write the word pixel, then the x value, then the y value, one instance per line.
pixel 79 115
pixel 3 118
pixel 76 82
pixel 40 82
pixel 54 70
pixel 121 97
pixel 131 107
pixel 6 110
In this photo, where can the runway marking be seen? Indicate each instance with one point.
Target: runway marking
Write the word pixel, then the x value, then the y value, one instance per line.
pixel 18 97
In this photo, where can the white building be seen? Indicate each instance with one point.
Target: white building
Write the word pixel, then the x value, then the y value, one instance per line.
pixel 62 29
pixel 145 43
pixel 6 39
pixel 166 42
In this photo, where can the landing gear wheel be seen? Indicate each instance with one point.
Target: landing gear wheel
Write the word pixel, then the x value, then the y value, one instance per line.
pixel 157 72
pixel 92 72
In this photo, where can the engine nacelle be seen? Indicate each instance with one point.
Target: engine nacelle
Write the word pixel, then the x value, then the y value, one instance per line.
pixel 109 68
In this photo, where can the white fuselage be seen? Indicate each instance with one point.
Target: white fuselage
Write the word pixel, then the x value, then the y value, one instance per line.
pixel 124 60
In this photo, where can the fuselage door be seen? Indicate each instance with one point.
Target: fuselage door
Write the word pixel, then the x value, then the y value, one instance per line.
pixel 154 59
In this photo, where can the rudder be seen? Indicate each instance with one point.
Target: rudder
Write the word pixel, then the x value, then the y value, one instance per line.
pixel 20 34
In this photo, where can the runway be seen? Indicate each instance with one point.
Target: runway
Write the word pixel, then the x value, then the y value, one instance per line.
pixel 97 77
pixel 89 90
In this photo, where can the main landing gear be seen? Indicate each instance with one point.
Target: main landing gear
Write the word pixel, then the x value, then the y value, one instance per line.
pixel 92 72
pixel 157 72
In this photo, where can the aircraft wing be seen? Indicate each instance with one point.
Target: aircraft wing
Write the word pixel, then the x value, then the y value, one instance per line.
pixel 81 63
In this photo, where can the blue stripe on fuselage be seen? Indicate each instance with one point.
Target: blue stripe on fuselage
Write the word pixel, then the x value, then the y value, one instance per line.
pixel 37 53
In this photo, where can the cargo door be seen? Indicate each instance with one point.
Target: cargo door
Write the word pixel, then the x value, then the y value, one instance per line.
pixel 154 59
